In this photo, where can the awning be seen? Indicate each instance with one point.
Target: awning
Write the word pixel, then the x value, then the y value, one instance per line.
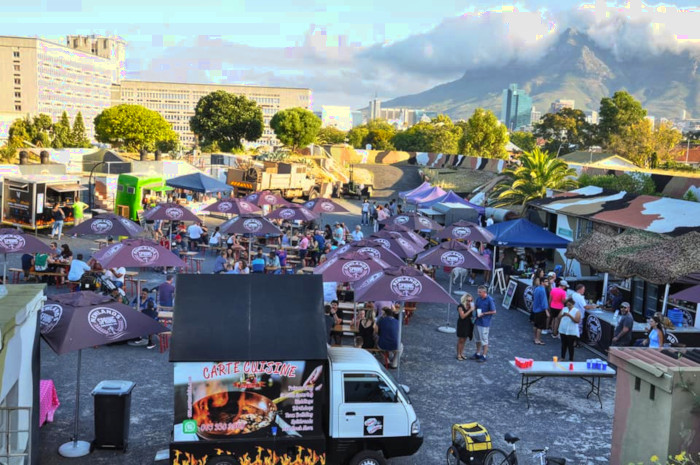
pixel 158 188
pixel 66 187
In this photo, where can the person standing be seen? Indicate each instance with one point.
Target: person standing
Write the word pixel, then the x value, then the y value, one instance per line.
pixel 388 328
pixel 365 212
pixel 166 292
pixel 557 298
pixel 568 328
pixel 655 340
pixel 78 208
pixel 623 331
pixel 367 328
pixel 580 302
pixel 465 326
pixel 195 232
pixel 58 218
pixel 485 310
pixel 540 311
pixel 374 215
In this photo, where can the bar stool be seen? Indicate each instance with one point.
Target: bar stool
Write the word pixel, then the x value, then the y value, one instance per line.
pixel 196 265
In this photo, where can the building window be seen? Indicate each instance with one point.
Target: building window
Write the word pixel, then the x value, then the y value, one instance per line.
pixel 583 227
pixel 18 81
pixel 18 107
pixel 15 54
pixel 16 67
pixel 18 95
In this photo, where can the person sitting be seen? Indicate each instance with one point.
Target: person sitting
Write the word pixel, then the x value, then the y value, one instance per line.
pixel 195 233
pixel 215 238
pixel 282 255
pixel 258 264
pixel 357 234
pixel 119 296
pixel 242 267
pixel 614 299
pixel 656 338
pixel 77 268
pixel 180 244
pixel 27 264
pixel 388 330
pixel 273 261
pixel 220 263
pixel 117 275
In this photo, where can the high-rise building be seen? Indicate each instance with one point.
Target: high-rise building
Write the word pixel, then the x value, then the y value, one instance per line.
pixel 336 117
pixel 375 109
pixel 516 108
pixel 39 76
pixel 591 116
pixel 559 104
pixel 535 116
pixel 176 102
pixel 358 118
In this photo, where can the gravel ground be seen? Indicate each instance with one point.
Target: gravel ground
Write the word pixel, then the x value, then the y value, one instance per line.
pixel 443 390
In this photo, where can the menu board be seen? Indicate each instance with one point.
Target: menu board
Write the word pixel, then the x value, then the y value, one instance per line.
pixel 227 400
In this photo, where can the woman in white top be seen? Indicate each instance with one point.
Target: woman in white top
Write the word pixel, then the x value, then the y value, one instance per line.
pixel 215 238
pixel 568 328
pixel 656 334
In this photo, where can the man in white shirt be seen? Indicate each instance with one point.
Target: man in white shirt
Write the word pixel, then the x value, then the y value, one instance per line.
pixel 194 232
pixel 77 268
pixel 489 221
pixel 365 212
pixel 580 304
pixel 116 275
pixel 357 233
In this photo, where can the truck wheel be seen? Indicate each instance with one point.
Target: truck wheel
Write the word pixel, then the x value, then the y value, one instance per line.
pixel 453 456
pixel 368 457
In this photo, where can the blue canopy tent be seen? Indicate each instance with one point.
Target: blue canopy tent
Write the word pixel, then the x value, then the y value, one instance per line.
pixel 522 233
pixel 422 188
pixel 198 182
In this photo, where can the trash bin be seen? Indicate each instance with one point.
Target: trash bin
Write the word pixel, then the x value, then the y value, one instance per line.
pixel 112 413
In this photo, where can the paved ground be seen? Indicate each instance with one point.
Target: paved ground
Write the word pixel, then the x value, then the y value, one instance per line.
pixel 443 391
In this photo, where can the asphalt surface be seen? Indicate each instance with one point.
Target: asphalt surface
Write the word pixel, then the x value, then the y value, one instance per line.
pixel 443 390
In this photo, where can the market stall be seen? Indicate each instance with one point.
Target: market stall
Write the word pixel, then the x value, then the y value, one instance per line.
pixel 27 200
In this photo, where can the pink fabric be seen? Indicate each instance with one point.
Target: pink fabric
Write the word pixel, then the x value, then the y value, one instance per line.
pixel 48 401
pixel 558 296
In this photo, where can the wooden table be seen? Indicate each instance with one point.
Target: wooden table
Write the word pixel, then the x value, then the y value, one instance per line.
pixel 188 258
pixel 343 328
pixel 541 370
pixel 101 243
pixel 307 270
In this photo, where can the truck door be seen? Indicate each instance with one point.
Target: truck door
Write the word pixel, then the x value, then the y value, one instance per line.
pixel 370 408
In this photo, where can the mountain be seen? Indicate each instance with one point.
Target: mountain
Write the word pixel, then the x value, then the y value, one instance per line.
pixel 574 67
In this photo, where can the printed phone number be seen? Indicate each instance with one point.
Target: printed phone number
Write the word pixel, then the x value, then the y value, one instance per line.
pixel 233 426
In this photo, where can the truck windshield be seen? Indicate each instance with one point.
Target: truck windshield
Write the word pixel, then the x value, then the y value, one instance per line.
pixel 389 376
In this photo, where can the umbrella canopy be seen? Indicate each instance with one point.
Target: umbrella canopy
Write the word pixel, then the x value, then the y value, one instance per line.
pixel 137 253
pixel 250 224
pixel 372 248
pixel 413 221
pixel 79 320
pixel 198 182
pixel 466 231
pixel 454 254
pixel 17 241
pixel 232 207
pixel 266 198
pixel 322 205
pixel 350 267
pixel 692 294
pixel 403 283
pixel 407 233
pixel 170 212
pixel 422 188
pixel 523 233
pixel 292 212
pixel 398 244
pixel 108 224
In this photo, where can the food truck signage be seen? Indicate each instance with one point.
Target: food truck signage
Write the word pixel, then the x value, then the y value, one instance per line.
pixel 263 399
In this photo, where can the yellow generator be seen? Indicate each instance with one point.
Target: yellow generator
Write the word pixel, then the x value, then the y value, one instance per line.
pixel 471 443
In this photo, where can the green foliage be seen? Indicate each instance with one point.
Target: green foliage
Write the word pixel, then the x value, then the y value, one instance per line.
pixel 224 118
pixel 79 136
pixel 634 183
pixel 331 135
pixel 524 140
pixel 645 146
pixel 7 153
pixel 356 135
pixel 538 171
pixel 440 135
pixel 690 196
pixel 484 136
pixel 617 113
pixel 278 156
pixel 132 127
pixel 565 131
pixel 295 127
pixel 62 132
pixel 672 165
pixel 170 144
pixel 377 132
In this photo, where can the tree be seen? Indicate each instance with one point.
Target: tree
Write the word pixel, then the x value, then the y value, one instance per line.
pixel 79 136
pixel 379 135
pixel 132 127
pixel 538 171
pixel 226 118
pixel 356 135
pixel 645 146
pixel 524 140
pixel 170 144
pixel 484 136
pixel 62 133
pixel 439 135
pixel 634 183
pixel 331 135
pixel 617 113
pixel 565 131
pixel 295 127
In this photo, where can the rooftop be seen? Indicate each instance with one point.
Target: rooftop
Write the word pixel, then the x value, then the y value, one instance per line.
pixel 597 158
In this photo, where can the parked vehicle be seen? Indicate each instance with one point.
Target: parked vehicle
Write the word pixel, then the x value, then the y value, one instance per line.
pixel 291 180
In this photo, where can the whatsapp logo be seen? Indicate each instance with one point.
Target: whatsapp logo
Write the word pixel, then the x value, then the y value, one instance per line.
pixel 189 427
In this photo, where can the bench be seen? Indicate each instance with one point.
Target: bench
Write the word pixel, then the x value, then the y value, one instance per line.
pixel 54 274
pixel 165 317
pixel 16 273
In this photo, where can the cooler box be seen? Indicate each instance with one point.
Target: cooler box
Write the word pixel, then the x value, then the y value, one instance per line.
pixel 112 413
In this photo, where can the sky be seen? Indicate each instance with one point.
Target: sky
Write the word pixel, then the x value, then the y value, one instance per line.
pixel 347 51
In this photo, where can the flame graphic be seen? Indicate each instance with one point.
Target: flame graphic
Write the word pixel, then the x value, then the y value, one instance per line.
pixel 303 456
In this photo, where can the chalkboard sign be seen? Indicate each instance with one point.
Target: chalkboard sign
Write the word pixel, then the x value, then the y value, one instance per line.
pixel 510 293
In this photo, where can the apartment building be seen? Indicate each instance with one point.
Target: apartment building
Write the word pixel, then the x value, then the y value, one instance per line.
pixel 176 102
pixel 39 76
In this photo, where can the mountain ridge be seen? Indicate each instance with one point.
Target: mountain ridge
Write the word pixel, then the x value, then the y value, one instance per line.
pixel 574 67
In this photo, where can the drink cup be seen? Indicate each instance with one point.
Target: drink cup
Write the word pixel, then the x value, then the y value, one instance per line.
pixel 555 359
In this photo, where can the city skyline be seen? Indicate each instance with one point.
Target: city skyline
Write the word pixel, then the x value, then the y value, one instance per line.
pixel 345 54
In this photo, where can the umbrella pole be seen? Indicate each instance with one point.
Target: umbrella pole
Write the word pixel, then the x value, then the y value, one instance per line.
pixel 4 269
pixel 493 268
pixel 400 352
pixel 447 328
pixel 76 448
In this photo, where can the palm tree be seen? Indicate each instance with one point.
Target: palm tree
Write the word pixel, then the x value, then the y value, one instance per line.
pixel 537 172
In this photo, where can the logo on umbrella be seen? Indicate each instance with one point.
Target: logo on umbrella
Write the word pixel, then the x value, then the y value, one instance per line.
pixel 368 282
pixel 407 245
pixel 383 242
pixel 11 242
pixel 401 220
pixel 50 315
pixel 112 251
pixel 253 197
pixel 245 206
pixel 173 213
pixel 425 222
pixel 128 224
pixel 461 232
pixel 107 321
pixel 452 258
pixel 371 252
pixel 145 254
pixel 406 286
pixel 287 213
pixel 252 225
pixel 225 206
pixel 271 199
pixel 355 269
pixel 309 204
pixel 101 225
pixel 327 206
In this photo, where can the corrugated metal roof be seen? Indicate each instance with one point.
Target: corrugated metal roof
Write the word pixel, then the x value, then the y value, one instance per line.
pixel 666 359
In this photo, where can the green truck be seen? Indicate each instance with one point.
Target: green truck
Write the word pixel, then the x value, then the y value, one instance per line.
pixel 131 190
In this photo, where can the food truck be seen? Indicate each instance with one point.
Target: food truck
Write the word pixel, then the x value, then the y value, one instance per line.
pixel 131 189
pixel 27 200
pixel 254 384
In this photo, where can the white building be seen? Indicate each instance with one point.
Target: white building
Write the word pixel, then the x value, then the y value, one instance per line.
pixel 337 117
